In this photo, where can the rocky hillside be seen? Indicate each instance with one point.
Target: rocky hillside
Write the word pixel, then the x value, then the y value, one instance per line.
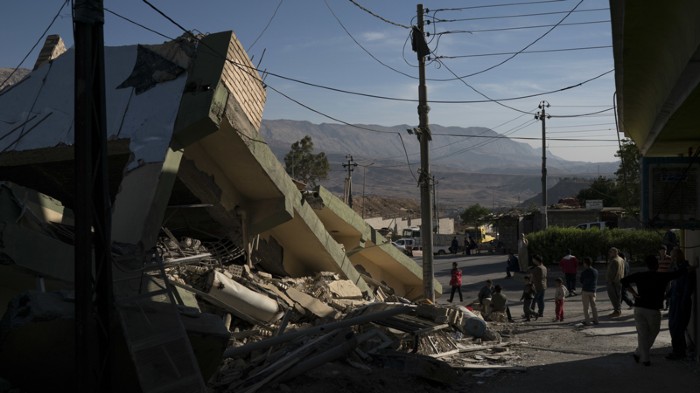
pixel 494 172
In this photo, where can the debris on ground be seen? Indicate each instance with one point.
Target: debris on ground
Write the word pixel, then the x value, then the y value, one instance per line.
pixel 283 327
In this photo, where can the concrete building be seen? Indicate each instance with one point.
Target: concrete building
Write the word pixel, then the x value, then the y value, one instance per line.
pixel 657 74
pixel 185 157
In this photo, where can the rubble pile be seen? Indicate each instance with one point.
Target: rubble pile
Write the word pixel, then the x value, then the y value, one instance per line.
pixel 282 327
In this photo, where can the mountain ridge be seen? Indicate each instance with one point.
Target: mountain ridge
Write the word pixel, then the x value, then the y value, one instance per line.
pixel 467 170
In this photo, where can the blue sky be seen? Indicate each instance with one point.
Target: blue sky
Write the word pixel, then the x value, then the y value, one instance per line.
pixel 314 41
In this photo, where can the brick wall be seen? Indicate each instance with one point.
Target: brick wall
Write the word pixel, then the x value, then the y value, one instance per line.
pixel 244 82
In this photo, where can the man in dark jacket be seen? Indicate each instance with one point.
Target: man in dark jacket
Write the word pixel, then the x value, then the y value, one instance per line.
pixel 649 300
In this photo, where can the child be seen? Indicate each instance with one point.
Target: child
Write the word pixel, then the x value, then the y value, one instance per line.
pixel 560 294
pixel 527 297
pixel 456 282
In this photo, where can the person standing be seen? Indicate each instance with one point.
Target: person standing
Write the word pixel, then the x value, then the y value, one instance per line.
pixel 560 294
pixel 512 265
pixel 664 259
pixel 613 275
pixel 664 266
pixel 649 299
pixel 624 296
pixel 527 299
pixel 569 266
pixel 456 282
pixel 589 284
pixel 466 245
pixel 539 280
pixel 454 245
pixel 523 256
pixel 680 310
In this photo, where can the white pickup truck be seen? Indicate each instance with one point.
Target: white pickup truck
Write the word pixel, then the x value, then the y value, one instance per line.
pixel 407 245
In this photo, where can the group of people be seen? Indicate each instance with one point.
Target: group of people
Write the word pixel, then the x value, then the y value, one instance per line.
pixel 665 285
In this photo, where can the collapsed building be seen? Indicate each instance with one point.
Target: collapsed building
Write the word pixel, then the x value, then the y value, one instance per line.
pixel 213 243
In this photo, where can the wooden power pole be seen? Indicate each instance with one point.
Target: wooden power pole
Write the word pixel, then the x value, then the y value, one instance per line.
pixel 541 115
pixel 423 132
pixel 93 294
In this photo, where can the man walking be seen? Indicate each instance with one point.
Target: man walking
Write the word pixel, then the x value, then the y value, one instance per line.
pixel 613 276
pixel 589 284
pixel 569 266
pixel 539 279
pixel 649 299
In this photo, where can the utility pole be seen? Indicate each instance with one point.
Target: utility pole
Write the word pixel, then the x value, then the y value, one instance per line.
pixel 93 294
pixel 348 180
pixel 541 115
pixel 364 183
pixel 419 46
pixel 436 216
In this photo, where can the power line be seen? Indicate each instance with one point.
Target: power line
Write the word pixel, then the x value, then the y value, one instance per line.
pixel 497 5
pixel 581 125
pixel 269 22
pixel 378 16
pixel 518 28
pixel 362 47
pixel 438 20
pixel 526 46
pixel 477 91
pixel 584 114
pixel 530 51
pixel 343 91
pixel 138 24
pixel 381 131
pixel 36 43
pixel 527 138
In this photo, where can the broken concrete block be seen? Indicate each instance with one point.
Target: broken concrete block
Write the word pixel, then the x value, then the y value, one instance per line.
pixel 471 324
pixel 344 289
pixel 310 304
pixel 435 314
pixel 241 298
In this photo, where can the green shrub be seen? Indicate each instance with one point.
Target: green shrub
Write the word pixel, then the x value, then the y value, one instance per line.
pixel 553 242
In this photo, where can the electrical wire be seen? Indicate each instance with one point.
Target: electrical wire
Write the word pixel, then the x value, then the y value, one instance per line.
pixel 526 46
pixel 438 20
pixel 362 47
pixel 138 24
pixel 269 22
pixel 582 114
pixel 497 5
pixel 343 91
pixel 518 28
pixel 347 123
pixel 35 44
pixel 479 92
pixel 527 138
pixel 527 51
pixel 378 16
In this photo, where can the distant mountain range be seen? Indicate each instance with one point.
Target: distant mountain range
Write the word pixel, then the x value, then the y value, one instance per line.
pixel 471 165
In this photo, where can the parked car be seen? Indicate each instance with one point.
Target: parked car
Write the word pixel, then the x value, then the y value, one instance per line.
pixel 589 225
pixel 405 245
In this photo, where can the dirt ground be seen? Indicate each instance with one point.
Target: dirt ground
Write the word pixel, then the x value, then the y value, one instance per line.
pixel 556 357
pixel 539 356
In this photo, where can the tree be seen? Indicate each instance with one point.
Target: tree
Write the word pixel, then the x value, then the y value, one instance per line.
pixel 301 164
pixel 628 179
pixel 624 190
pixel 602 188
pixel 474 215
